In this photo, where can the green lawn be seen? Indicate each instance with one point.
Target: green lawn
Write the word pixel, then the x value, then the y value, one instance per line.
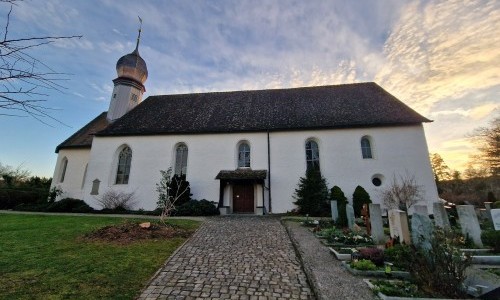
pixel 42 257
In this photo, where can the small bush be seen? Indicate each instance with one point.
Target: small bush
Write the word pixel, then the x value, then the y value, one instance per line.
pixel 491 238
pixel 69 205
pixel 375 255
pixel 363 265
pixel 336 194
pixel 196 208
pixel 117 201
pixel 397 288
pixel 495 204
pixel 398 255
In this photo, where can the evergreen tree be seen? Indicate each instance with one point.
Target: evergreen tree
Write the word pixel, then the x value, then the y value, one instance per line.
pixel 337 194
pixel 311 194
pixel 360 197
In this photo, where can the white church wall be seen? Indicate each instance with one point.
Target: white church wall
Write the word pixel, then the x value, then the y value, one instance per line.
pixel 207 155
pixel 396 150
pixel 75 171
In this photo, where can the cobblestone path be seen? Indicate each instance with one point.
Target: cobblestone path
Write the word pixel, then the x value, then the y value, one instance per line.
pixel 233 257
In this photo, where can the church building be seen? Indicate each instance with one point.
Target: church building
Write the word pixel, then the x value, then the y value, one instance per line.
pixel 244 150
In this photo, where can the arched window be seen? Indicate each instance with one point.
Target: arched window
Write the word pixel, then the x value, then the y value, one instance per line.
pixel 244 156
pixel 63 169
pixel 181 156
pixel 312 155
pixel 366 148
pixel 124 162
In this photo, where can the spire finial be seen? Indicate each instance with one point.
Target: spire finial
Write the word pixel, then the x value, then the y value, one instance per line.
pixel 139 36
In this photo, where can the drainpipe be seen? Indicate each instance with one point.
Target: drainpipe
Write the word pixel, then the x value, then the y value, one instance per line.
pixel 269 171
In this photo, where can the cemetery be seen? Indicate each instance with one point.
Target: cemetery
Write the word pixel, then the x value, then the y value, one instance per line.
pixel 451 253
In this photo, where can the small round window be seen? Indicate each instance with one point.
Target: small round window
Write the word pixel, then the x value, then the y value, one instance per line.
pixel 377 179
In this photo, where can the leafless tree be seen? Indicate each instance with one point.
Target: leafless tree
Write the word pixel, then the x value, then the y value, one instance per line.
pixel 402 193
pixel 487 140
pixel 11 175
pixel 167 195
pixel 24 79
pixel 112 199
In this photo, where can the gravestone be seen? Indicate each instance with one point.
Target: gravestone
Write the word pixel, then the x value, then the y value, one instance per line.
pixel 487 205
pixel 469 223
pixel 441 216
pixel 421 209
pixel 376 221
pixel 495 215
pixel 398 225
pixel 350 216
pixel 335 210
pixel 421 230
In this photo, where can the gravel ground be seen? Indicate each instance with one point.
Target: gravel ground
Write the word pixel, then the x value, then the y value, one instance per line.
pixel 326 274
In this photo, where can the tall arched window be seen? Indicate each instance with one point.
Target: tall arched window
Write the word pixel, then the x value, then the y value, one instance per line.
pixel 181 156
pixel 366 148
pixel 244 156
pixel 124 162
pixel 312 155
pixel 63 169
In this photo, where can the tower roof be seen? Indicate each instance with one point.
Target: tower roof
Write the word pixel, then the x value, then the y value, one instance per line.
pixel 132 65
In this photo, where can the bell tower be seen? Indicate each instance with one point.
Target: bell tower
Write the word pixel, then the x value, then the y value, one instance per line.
pixel 129 85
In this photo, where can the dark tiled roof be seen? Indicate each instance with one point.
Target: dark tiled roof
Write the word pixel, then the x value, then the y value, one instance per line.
pixel 242 174
pixel 83 137
pixel 336 106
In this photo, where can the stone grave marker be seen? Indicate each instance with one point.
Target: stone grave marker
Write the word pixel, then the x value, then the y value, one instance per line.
pixel 377 225
pixel 469 223
pixel 495 215
pixel 421 230
pixel 350 215
pixel 335 210
pixel 398 225
pixel 487 205
pixel 421 209
pixel 441 216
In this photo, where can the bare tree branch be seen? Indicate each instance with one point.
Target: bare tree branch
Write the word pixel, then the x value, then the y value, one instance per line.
pixel 25 81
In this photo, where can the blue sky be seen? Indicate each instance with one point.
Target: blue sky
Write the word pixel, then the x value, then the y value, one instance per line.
pixel 442 58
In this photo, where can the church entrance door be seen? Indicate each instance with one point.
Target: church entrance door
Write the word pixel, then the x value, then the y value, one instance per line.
pixel 243 198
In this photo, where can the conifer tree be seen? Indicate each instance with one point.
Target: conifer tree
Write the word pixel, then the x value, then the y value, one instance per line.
pixel 337 194
pixel 360 197
pixel 311 194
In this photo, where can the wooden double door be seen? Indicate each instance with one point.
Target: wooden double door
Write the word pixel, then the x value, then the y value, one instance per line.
pixel 243 198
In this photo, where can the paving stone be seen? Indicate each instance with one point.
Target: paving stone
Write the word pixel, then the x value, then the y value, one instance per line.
pixel 233 257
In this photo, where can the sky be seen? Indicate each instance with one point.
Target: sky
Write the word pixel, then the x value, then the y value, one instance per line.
pixel 441 58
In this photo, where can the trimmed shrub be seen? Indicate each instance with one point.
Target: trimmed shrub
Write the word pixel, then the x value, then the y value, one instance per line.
pixel 374 254
pixel 337 194
pixel 491 238
pixel 363 265
pixel 10 198
pixel 360 197
pixel 196 208
pixel 311 194
pixel 495 204
pixel 69 205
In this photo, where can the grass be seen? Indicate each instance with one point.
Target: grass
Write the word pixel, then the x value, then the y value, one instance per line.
pixel 43 257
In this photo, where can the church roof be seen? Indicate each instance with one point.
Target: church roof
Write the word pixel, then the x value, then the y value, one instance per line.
pixel 320 107
pixel 83 137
